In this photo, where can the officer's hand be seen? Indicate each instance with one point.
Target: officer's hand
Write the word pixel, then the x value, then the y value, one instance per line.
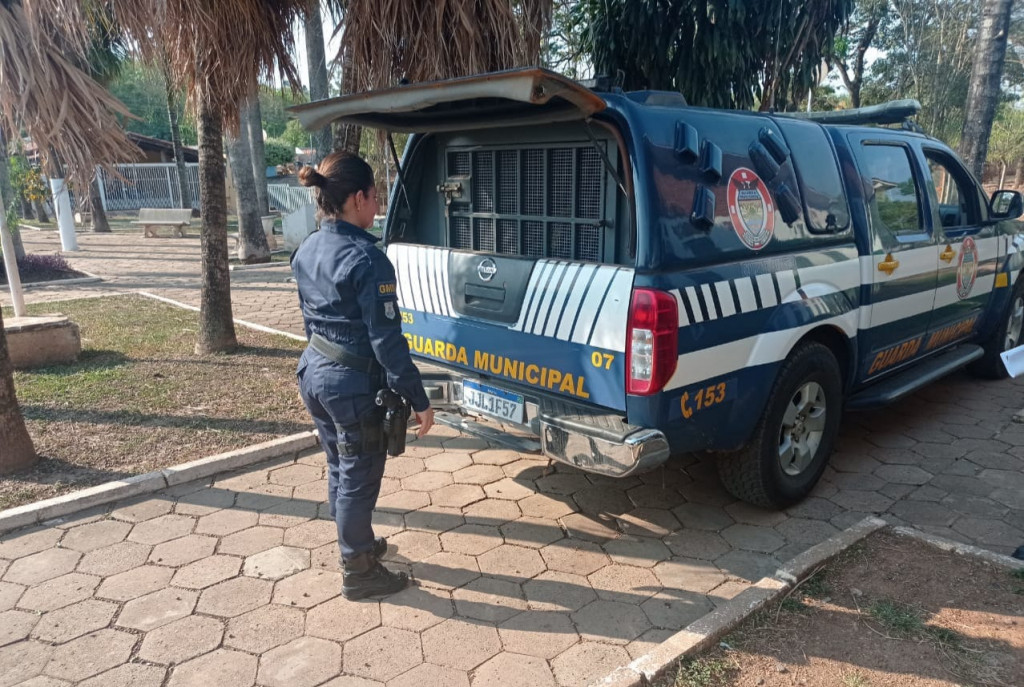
pixel 426 420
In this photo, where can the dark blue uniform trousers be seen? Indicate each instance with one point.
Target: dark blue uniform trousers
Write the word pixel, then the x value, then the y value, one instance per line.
pixel 353 482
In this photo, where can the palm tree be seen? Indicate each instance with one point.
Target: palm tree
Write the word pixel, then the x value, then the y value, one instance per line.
pixel 252 242
pixel 316 66
pixel 184 196
pixel 252 126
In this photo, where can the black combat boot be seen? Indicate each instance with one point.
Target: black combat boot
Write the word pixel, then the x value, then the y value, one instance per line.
pixel 380 547
pixel 365 576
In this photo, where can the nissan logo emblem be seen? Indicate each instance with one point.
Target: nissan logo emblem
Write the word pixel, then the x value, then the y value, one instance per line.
pixel 486 270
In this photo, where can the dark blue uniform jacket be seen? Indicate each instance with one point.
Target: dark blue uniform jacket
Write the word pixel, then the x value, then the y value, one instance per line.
pixel 348 295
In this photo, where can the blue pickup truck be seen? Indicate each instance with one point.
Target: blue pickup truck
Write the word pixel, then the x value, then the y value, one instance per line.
pixel 624 277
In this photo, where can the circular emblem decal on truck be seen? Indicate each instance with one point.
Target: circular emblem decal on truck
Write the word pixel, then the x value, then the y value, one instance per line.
pixel 751 209
pixel 967 271
pixel 487 269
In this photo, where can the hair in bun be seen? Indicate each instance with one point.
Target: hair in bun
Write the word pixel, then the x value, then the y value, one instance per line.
pixel 308 176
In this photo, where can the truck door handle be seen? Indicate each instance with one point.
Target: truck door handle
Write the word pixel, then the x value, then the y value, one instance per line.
pixel 888 265
pixel 948 254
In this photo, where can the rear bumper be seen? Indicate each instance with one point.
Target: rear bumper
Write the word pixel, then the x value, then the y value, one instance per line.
pixel 589 439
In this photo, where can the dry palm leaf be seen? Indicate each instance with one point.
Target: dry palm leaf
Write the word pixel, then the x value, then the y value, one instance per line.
pixel 425 40
pixel 41 91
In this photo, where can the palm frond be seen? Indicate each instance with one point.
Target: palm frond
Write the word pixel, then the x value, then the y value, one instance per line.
pixel 424 40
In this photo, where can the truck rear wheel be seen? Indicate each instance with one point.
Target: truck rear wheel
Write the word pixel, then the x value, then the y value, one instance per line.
pixel 791 444
pixel 1009 335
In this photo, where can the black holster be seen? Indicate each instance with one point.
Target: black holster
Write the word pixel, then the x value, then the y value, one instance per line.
pixel 371 435
pixel 395 422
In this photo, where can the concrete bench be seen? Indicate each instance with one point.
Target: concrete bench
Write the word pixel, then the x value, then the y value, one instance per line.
pixel 153 218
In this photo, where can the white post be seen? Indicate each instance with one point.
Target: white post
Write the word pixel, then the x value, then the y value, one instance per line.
pixel 11 264
pixel 65 219
pixel 103 189
pixel 170 189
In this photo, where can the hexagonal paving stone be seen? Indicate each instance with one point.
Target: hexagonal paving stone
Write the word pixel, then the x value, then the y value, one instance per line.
pixel 804 531
pixel 461 644
pixel 698 516
pixel 23 661
pixel 509 489
pixel 42 566
pixel 59 592
pixel 276 563
pixel 987 531
pixel 903 474
pixel 308 588
pixel 340 619
pixel 689 574
pixel 543 634
pixel 310 535
pixel 647 642
pixel 471 540
pixel 593 528
pixel 252 541
pixel 565 483
pixel 642 552
pixel 403 467
pixel 129 675
pixel 574 556
pixel 90 655
pixel 747 564
pixel 73 621
pixel 435 519
pixel 403 501
pixel 225 522
pixel 207 572
pixel 220 667
pixel 235 597
pixel 529 671
pixel 558 591
pixel 157 609
pixel 16 625
pixel 674 609
pixel 263 629
pixel 587 662
pixel 26 542
pixel 303 662
pixel 446 570
pixel 134 583
pixel 647 522
pixel 753 538
pixel 164 528
pixel 95 535
pixel 183 550
pixel 546 506
pixel 383 654
pixel 746 514
pixel 415 609
pixel 495 457
pixel 294 475
pixel 10 593
pixel 429 675
pixel 457 495
pixel 311 491
pixel 181 640
pixel 479 474
pixel 624 583
pixel 511 561
pixel 596 500
pixel 863 501
pixel 114 559
pixel 611 621
pixel 489 599
pixel 491 512
pixel 411 546
pixel 531 532
pixel 464 443
pixel 427 481
pixel 525 469
pixel 448 462
pixel 204 502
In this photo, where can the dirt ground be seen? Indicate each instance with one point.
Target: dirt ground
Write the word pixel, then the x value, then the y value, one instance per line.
pixel 893 612
pixel 139 399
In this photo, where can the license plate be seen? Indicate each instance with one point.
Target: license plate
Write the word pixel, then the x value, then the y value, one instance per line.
pixel 489 400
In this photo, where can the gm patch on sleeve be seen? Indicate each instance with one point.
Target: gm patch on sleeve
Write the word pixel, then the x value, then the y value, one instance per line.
pixel 386 290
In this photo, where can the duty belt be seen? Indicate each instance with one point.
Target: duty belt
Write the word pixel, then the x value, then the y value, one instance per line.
pixel 338 354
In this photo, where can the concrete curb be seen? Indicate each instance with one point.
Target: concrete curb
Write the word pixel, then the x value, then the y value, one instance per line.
pixel 703 633
pixel 961 548
pixel 62 282
pixel 102 494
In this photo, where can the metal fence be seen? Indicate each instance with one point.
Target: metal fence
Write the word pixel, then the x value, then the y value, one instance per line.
pixel 153 185
pixel 289 198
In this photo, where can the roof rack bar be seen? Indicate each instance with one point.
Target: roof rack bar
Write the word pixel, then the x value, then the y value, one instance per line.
pixel 892 112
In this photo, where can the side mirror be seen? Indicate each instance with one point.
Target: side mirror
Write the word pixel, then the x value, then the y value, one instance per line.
pixel 1006 205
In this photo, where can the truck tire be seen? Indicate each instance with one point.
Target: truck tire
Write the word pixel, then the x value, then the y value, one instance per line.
pixel 1009 335
pixel 794 438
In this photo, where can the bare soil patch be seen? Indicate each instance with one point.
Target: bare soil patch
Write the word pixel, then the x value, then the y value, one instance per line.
pixel 139 399
pixel 891 612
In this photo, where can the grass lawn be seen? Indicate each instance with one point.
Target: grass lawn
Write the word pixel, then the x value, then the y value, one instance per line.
pixel 139 399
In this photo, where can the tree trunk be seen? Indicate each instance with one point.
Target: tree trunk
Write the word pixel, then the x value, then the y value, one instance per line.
pixel 184 196
pixel 216 326
pixel 1018 175
pixel 252 126
pixel 41 214
pixel 7 196
pixel 986 73
pixel 347 136
pixel 252 242
pixel 26 209
pixel 16 450
pixel 316 62
pixel 99 215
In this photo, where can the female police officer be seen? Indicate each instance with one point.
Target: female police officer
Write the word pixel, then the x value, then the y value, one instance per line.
pixel 347 292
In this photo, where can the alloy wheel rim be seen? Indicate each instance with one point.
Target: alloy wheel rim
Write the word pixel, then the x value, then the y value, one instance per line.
pixel 1015 325
pixel 803 426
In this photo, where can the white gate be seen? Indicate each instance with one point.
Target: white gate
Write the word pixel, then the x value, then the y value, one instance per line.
pixel 152 185
pixel 289 198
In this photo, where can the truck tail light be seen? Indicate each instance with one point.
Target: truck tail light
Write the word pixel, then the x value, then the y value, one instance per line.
pixel 653 337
